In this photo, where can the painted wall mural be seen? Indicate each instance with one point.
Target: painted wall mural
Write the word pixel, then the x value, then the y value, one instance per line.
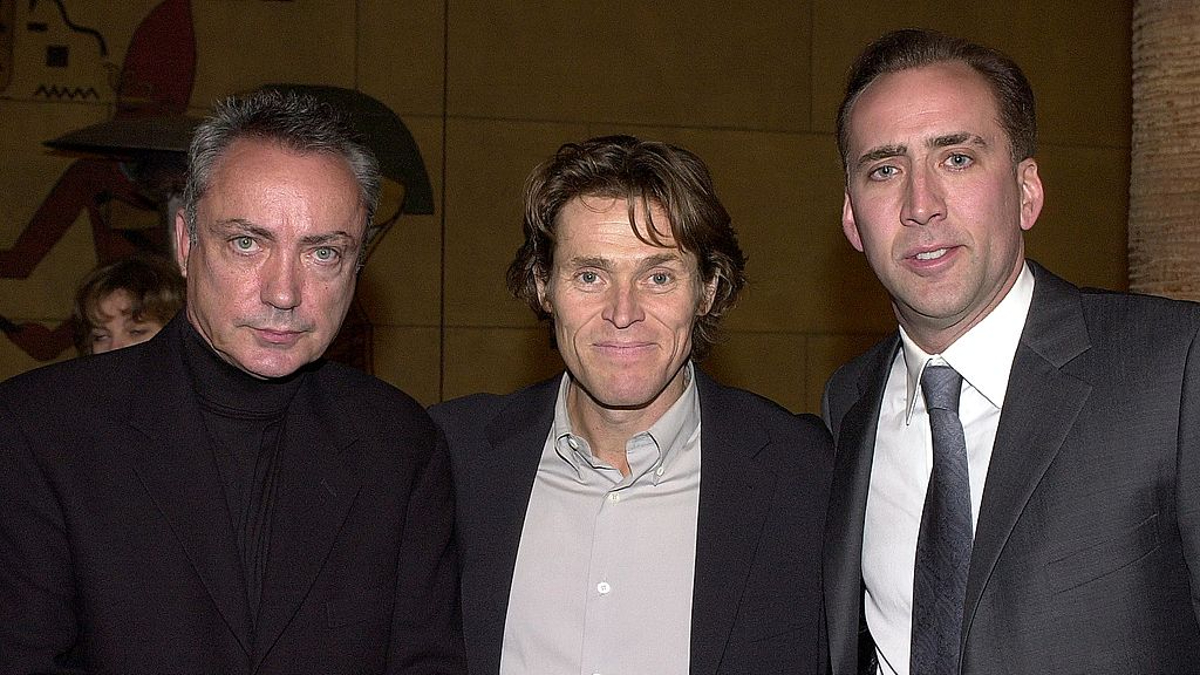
pixel 155 79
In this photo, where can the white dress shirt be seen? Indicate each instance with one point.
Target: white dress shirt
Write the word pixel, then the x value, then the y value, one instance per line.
pixel 603 578
pixel 903 461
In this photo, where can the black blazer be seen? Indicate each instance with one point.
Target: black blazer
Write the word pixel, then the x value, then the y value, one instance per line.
pixel 763 492
pixel 117 553
pixel 1087 547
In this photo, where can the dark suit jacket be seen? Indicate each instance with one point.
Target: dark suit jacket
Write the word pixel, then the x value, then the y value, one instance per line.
pixel 1087 547
pixel 117 553
pixel 763 491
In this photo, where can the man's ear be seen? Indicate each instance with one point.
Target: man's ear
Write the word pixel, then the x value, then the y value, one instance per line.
pixel 710 295
pixel 183 243
pixel 543 299
pixel 1030 184
pixel 849 226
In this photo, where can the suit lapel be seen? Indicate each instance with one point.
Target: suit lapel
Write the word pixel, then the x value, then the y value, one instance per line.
pixel 177 469
pixel 517 436
pixel 318 482
pixel 735 497
pixel 1040 407
pixel 847 512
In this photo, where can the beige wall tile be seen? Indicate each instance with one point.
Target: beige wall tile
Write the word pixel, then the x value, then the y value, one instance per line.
pixel 1077 61
pixel 401 54
pixel 496 360
pixel 1082 233
pixel 827 353
pixel 768 364
pixel 487 163
pixel 706 63
pixel 401 284
pixel 407 358
pixel 241 45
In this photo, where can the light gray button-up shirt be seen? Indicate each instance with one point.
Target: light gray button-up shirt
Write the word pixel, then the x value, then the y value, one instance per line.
pixel 603 577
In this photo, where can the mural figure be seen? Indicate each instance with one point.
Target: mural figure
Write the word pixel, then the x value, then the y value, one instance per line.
pixel 155 80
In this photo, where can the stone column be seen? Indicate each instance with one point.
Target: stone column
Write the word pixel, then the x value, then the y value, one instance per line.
pixel 1164 192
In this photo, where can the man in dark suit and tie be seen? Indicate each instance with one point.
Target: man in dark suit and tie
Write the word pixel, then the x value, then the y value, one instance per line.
pixel 219 499
pixel 632 515
pixel 1017 481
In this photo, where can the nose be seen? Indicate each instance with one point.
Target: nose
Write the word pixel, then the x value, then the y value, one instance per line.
pixel 923 201
pixel 623 308
pixel 280 282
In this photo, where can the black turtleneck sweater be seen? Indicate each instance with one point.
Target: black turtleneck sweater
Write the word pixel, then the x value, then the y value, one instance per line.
pixel 245 419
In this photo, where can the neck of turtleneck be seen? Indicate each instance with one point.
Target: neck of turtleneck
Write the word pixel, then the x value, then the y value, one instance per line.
pixel 230 392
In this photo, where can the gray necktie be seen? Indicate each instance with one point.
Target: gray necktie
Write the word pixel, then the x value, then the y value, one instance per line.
pixel 944 543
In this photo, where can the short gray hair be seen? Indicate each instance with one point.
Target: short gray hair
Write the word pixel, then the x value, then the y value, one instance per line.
pixel 299 122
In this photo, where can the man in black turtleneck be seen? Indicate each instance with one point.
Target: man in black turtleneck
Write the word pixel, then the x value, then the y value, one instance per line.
pixel 220 499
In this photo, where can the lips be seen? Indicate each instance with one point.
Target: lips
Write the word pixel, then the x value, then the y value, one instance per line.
pixel 278 337
pixel 931 258
pixel 624 348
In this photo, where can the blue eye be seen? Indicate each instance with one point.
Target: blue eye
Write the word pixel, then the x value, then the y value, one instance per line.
pixel 243 243
pixel 589 277
pixel 959 161
pixel 883 172
pixel 660 278
pixel 325 254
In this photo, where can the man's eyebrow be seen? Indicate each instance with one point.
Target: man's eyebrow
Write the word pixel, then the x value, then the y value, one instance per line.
pixel 882 152
pixel 339 237
pixel 589 261
pixel 661 259
pixel 957 139
pixel 244 226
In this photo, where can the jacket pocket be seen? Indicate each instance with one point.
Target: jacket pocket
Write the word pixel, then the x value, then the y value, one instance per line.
pixel 1100 560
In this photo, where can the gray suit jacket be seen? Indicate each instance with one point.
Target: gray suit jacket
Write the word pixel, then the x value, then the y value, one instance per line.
pixel 763 490
pixel 1087 547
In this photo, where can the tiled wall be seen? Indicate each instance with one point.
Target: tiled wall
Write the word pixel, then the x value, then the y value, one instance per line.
pixel 491 88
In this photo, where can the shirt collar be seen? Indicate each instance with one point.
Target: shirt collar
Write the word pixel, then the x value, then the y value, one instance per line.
pixel 666 437
pixel 983 355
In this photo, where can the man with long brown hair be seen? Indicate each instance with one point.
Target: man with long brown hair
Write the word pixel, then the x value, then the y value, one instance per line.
pixel 632 515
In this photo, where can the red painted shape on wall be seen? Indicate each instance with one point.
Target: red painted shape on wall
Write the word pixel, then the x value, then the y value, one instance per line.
pixel 160 65
pixel 156 79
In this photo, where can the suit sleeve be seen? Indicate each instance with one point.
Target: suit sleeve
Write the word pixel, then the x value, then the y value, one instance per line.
pixel 427 620
pixel 38 629
pixel 1188 487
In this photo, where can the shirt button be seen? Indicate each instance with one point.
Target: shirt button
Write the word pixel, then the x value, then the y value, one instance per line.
pixel 614 497
pixel 603 588
pixel 573 443
pixel 658 471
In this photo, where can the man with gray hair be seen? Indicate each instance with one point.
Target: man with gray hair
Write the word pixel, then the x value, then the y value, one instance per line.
pixel 220 499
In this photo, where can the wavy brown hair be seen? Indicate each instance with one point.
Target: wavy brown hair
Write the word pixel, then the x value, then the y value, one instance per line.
pixel 154 285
